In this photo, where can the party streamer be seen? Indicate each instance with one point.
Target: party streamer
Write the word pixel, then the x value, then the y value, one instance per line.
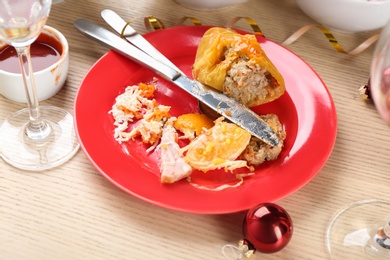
pixel 153 23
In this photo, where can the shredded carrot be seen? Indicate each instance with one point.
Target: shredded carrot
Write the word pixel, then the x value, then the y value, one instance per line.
pixel 159 114
pixel 147 90
pixel 136 114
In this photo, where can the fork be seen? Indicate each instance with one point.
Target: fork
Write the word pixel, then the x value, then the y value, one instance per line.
pixel 131 35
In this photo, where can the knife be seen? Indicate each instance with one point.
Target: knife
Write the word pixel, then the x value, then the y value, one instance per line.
pixel 123 28
pixel 227 107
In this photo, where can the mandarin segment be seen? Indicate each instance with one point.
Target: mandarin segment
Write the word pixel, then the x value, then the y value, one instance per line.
pixel 191 125
pixel 218 147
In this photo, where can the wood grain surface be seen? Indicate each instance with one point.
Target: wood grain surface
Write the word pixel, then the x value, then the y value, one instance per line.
pixel 73 212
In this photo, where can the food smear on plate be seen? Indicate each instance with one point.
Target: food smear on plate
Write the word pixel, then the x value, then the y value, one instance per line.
pixel 210 145
pixel 232 63
pixel 237 65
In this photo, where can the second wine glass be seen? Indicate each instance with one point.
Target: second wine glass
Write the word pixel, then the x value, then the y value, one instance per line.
pixel 362 230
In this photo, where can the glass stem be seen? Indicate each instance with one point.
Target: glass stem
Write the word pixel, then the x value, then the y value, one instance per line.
pixel 382 236
pixel 36 129
pixel 386 230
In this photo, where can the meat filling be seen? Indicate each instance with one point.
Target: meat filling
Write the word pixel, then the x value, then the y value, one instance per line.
pixel 257 151
pixel 247 82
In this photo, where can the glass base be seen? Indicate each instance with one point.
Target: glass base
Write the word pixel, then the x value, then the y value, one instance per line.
pixel 353 232
pixel 37 155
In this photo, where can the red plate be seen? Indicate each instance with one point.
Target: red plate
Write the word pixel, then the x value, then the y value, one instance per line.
pixel 306 110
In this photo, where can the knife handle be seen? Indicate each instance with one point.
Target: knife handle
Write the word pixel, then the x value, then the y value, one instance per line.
pixel 121 46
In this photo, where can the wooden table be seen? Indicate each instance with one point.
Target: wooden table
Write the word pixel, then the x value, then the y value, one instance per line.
pixel 73 212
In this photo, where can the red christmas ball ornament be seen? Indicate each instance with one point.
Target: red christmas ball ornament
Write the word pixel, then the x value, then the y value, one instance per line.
pixel 267 228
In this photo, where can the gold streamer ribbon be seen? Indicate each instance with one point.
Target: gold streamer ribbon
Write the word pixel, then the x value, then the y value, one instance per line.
pixel 153 23
pixel 336 45
pixel 250 21
pixel 124 27
pixel 194 20
pixel 296 35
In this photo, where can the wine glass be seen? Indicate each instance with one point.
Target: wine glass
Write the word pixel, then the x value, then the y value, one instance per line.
pixel 38 137
pixel 362 230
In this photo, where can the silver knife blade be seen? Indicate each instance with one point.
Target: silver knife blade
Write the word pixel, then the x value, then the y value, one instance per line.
pixel 229 108
pixel 121 27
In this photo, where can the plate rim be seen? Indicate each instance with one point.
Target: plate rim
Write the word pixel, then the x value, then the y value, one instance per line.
pixel 189 210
